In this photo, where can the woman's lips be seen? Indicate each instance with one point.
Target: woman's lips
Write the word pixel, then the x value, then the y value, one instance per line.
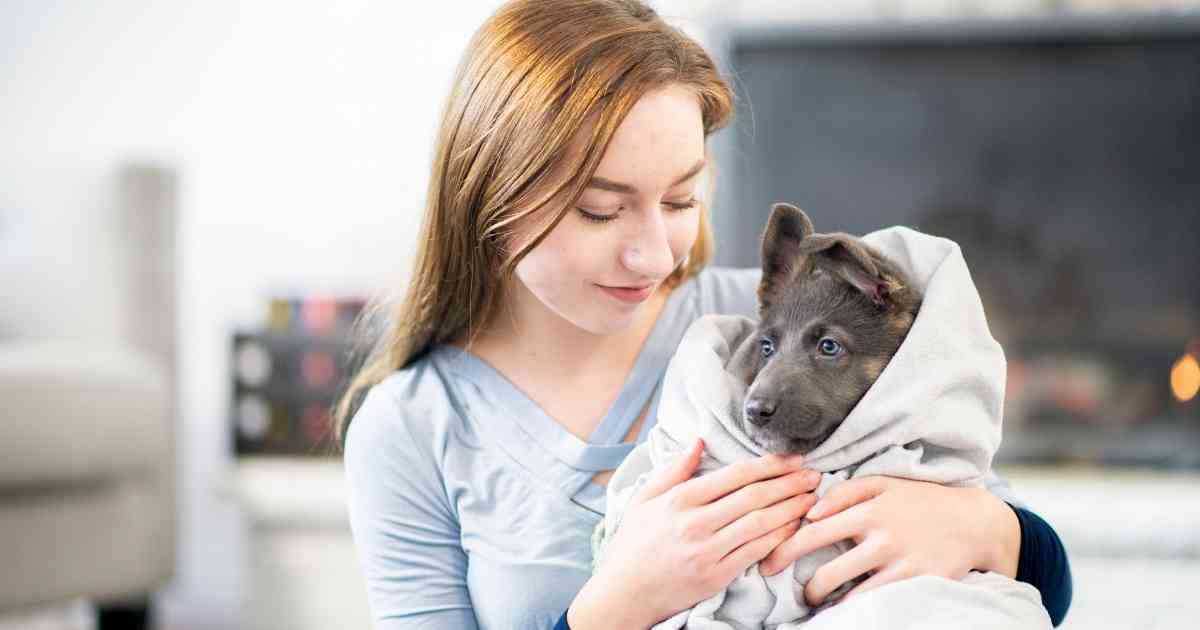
pixel 630 295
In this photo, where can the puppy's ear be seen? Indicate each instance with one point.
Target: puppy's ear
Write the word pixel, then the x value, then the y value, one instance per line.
pixel 786 230
pixel 846 257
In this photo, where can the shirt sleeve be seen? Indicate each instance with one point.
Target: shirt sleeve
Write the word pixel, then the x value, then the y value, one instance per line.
pixel 1043 564
pixel 1042 560
pixel 404 530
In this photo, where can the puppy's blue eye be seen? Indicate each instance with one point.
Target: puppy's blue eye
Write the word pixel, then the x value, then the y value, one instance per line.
pixel 768 348
pixel 829 347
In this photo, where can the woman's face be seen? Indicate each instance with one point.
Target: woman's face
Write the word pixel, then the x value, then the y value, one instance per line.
pixel 632 227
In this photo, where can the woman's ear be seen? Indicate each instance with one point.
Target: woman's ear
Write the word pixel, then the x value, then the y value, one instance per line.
pixel 781 246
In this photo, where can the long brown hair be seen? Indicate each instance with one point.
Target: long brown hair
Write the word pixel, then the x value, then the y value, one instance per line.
pixel 537 75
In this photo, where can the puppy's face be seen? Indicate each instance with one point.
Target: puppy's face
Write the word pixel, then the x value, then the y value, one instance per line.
pixel 832 313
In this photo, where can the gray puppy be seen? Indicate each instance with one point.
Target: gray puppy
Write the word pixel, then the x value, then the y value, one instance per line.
pixel 832 312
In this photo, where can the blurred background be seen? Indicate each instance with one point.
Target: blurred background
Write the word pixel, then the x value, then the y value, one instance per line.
pixel 197 198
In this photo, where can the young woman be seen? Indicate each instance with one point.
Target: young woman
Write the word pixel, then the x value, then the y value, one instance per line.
pixel 562 255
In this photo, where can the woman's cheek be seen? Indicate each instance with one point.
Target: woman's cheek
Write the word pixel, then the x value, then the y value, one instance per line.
pixel 585 255
pixel 569 261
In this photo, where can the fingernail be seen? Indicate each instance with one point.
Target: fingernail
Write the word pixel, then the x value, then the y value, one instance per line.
pixel 795 460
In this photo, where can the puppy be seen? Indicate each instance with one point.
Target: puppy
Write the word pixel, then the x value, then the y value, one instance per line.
pixel 832 313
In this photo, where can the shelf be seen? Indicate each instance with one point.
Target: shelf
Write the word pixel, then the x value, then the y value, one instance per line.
pixel 289 492
pixel 1115 512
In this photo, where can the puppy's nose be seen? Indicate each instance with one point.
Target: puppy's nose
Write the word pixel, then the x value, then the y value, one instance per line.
pixel 759 411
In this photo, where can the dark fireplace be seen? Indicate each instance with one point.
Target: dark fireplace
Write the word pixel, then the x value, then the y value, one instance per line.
pixel 1062 155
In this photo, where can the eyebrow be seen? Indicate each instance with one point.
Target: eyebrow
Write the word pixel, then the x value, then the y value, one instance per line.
pixel 619 187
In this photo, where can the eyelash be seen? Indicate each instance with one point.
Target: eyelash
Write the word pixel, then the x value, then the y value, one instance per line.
pixel 597 218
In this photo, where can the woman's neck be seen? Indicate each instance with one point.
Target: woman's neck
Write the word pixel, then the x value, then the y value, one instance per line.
pixel 530 340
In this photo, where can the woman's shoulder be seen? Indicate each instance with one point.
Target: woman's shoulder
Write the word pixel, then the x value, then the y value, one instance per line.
pixel 410 408
pixel 728 290
pixel 395 454
pixel 417 384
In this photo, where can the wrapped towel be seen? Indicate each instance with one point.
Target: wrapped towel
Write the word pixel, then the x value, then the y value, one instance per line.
pixel 934 414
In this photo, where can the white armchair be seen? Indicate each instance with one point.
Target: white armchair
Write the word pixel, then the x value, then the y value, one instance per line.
pixel 87 456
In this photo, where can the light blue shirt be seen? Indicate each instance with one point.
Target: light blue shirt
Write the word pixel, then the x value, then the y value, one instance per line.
pixel 471 507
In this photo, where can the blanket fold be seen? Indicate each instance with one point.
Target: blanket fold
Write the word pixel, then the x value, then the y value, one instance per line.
pixel 934 414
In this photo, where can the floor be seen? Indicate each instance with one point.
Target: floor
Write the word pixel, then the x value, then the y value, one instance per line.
pixel 1133 593
pixel 73 615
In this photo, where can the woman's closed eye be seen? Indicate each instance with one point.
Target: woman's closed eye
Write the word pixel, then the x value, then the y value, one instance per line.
pixel 597 217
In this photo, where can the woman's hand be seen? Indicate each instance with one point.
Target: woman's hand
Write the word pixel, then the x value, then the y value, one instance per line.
pixel 902 528
pixel 682 540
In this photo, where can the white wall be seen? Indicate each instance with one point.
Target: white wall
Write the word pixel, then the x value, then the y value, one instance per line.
pixel 301 133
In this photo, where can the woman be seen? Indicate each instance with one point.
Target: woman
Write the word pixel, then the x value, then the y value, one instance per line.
pixel 562 255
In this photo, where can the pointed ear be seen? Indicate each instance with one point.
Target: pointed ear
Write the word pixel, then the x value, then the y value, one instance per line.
pixel 786 230
pixel 854 262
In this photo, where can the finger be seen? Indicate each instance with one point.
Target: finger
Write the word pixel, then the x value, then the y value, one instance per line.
pixel 737 561
pixel 760 521
pixel 894 573
pixel 721 482
pixel 756 496
pixel 672 475
pixel 845 494
pixel 847 566
pixel 847 525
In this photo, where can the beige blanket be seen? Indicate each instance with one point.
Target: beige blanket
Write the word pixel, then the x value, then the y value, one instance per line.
pixel 934 414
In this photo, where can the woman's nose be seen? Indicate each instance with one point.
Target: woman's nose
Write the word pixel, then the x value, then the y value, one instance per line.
pixel 648 250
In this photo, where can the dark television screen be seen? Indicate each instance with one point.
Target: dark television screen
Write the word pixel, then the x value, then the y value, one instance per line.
pixel 1067 168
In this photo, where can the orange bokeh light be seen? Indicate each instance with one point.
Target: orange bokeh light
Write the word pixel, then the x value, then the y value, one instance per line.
pixel 1185 378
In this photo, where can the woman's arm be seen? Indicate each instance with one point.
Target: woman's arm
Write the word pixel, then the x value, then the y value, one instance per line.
pixel 903 528
pixel 591 611
pixel 404 530
pixel 1040 560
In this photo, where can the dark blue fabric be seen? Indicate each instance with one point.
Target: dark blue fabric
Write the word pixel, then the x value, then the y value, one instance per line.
pixel 1042 563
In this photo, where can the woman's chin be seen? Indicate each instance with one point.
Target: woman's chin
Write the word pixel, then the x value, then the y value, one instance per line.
pixel 607 323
